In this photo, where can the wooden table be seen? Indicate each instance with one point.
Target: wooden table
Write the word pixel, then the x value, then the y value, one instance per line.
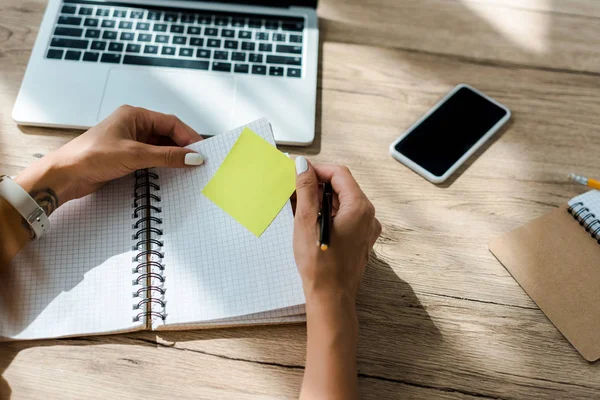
pixel 439 316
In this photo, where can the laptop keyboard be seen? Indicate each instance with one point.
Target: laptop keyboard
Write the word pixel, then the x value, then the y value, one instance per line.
pixel 91 32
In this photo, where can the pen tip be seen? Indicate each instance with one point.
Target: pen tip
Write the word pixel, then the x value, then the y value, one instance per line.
pixel 324 247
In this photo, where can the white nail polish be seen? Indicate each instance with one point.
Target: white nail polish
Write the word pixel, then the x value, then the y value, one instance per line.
pixel 193 159
pixel 301 165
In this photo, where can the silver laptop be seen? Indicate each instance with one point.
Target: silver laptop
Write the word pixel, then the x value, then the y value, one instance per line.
pixel 216 65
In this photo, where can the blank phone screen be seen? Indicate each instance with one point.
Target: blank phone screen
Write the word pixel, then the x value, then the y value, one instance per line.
pixel 443 137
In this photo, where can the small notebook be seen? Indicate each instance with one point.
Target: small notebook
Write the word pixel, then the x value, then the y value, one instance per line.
pixel 150 251
pixel 556 259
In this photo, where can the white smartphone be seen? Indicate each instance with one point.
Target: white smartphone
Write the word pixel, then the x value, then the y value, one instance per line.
pixel 438 143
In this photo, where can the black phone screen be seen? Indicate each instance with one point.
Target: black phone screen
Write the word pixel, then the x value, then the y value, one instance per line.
pixel 450 131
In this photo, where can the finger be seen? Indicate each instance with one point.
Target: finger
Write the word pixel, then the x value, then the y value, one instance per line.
pixel 307 192
pixel 170 157
pixel 151 123
pixel 344 184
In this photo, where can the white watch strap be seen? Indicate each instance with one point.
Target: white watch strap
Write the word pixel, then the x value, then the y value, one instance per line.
pixel 17 197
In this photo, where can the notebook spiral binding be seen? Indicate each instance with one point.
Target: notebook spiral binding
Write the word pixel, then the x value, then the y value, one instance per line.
pixel 587 219
pixel 148 268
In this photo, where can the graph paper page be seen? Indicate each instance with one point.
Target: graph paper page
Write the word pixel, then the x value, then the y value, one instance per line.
pixel 214 267
pixel 77 279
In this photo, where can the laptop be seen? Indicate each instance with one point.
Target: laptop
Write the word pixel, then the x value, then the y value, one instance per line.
pixel 216 65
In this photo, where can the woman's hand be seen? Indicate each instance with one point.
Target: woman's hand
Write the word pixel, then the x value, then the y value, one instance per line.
pixel 129 139
pixel 331 278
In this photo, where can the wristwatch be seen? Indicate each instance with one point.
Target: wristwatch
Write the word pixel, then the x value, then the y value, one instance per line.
pixel 17 197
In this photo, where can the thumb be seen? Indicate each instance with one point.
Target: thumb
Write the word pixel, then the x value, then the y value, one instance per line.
pixel 307 193
pixel 169 157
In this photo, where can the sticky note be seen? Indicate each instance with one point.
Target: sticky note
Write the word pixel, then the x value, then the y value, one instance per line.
pixel 253 183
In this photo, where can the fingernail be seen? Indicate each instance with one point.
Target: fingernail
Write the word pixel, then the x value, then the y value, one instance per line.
pixel 193 159
pixel 301 165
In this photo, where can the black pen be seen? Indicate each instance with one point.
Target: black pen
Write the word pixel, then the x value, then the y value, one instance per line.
pixel 326 216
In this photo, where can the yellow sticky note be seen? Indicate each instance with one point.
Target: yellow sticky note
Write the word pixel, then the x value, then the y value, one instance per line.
pixel 253 183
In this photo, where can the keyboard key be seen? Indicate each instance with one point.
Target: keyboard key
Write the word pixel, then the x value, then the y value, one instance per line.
pixel 221 55
pixel 282 48
pixel 98 45
pixel 265 47
pixel 245 35
pixel 296 38
pixel 70 43
pixel 55 54
pixel 110 58
pixel 161 39
pixel 154 15
pixel 115 46
pixel 137 14
pixel 201 53
pixel 160 27
pixel 92 33
pixel 73 55
pixel 238 22
pixel 292 26
pixel 165 62
pixel 279 37
pixel 150 49
pixel 231 44
pixel 91 22
pixel 196 41
pixel 294 72
pixel 254 23
pixel 127 36
pixel 272 25
pixel 63 31
pixel 179 40
pixel 211 31
pixel 90 56
pixel 110 35
pixel 68 10
pixel 186 52
pixel 125 25
pixel 241 68
pixel 204 19
pixel 255 58
pixel 276 71
pixel 108 23
pixel 259 70
pixel 102 12
pixel 193 30
pixel 262 36
pixel 62 20
pixel 248 46
pixel 228 33
pixel 171 17
pixel 142 26
pixel 214 43
pixel 221 66
pixel 119 13
pixel 284 60
pixel 221 21
pixel 176 28
pixel 237 56
pixel 168 51
pixel 85 11
pixel 189 18
pixel 133 48
pixel 144 37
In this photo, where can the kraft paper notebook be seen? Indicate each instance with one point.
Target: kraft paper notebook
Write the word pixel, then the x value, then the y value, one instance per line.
pixel 152 251
pixel 556 259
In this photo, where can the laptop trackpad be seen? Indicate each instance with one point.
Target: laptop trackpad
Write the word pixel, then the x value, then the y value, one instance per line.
pixel 203 101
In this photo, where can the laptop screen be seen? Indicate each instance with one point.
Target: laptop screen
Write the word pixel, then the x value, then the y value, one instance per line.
pixel 274 3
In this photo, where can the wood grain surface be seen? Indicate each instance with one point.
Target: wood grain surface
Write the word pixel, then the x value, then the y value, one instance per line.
pixel 440 318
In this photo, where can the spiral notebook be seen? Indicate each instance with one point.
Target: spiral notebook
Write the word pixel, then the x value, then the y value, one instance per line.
pixel 150 251
pixel 556 260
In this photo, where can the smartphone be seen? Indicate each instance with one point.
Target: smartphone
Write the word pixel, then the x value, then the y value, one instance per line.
pixel 438 143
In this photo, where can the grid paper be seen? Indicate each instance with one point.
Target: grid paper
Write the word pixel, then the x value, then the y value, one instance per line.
pixel 590 200
pixel 214 267
pixel 77 279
